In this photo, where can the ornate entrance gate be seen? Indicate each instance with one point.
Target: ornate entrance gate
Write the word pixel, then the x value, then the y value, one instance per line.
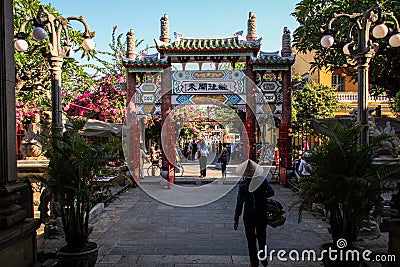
pixel 261 88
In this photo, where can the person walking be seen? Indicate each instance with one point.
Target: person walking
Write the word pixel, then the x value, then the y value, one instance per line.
pixel 194 149
pixel 223 159
pixel 143 158
pixel 203 154
pixel 154 154
pixel 254 188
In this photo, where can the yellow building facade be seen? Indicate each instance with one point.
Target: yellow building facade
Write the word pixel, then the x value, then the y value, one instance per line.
pixel 346 87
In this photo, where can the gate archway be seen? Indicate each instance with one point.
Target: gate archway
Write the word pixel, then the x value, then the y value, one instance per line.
pixel 157 84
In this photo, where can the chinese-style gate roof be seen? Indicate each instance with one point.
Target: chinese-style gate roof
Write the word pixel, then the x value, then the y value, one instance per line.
pixel 271 61
pixel 226 49
pixel 146 63
pixel 209 45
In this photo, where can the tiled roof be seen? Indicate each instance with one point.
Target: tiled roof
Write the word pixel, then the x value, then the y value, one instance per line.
pixel 266 58
pixel 145 61
pixel 227 43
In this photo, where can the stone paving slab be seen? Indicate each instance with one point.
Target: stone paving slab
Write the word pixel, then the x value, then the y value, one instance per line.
pixel 189 260
pixel 137 230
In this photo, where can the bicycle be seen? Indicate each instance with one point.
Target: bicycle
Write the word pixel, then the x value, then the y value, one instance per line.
pixel 155 169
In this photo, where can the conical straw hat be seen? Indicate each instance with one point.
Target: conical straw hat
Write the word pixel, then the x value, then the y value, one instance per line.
pixel 249 169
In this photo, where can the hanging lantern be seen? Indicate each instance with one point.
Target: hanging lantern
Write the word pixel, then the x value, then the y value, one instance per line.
pixel 88 44
pixel 394 41
pixel 39 34
pixel 21 45
pixel 380 31
pixel 327 41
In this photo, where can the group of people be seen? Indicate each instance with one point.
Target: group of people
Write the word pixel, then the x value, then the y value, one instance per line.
pixel 200 151
pixel 190 150
pixel 253 190
pixel 222 158
pixel 301 164
pixel 196 151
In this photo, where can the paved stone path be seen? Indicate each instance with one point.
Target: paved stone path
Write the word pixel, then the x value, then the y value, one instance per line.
pixel 137 230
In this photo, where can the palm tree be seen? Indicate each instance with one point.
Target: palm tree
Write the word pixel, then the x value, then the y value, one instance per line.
pixel 345 180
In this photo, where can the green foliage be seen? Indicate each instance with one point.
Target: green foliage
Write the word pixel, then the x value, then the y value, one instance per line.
pixel 73 166
pixel 153 128
pixel 344 179
pixel 314 15
pixel 229 117
pixel 103 100
pixel 314 101
pixel 395 104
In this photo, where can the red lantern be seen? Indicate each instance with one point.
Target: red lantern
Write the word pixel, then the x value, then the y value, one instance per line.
pixel 343 75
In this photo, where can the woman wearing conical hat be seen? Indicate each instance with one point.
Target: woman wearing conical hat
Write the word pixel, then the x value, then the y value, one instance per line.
pixel 254 188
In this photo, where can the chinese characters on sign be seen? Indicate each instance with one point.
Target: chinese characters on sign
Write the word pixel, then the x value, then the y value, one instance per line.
pixel 209 82
pixel 207 87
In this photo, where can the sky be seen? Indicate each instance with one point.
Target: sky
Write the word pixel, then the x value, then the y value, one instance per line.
pixel 188 17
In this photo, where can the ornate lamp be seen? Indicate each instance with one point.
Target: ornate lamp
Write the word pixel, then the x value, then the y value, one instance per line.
pixel 363 49
pixel 60 46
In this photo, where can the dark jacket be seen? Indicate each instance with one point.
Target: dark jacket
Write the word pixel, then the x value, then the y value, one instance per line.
pixel 255 202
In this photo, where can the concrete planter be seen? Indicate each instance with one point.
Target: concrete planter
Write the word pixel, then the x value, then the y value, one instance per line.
pixel 87 258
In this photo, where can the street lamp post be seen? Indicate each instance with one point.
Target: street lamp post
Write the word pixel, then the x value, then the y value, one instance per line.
pixel 60 46
pixel 363 49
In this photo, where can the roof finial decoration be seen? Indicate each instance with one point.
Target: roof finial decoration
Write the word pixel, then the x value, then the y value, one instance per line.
pixel 286 43
pixel 130 45
pixel 164 37
pixel 251 27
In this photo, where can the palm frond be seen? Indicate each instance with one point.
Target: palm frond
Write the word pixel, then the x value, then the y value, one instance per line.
pixel 345 178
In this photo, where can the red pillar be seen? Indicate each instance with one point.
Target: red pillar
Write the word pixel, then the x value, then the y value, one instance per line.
pixel 285 138
pixel 285 127
pixel 168 128
pixel 133 136
pixel 250 124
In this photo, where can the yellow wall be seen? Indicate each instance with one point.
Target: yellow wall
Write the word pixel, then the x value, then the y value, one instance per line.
pixel 351 85
pixel 302 66
pixel 325 77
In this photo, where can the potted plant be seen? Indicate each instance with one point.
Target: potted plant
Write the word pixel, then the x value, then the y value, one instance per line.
pixel 344 181
pixel 74 163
